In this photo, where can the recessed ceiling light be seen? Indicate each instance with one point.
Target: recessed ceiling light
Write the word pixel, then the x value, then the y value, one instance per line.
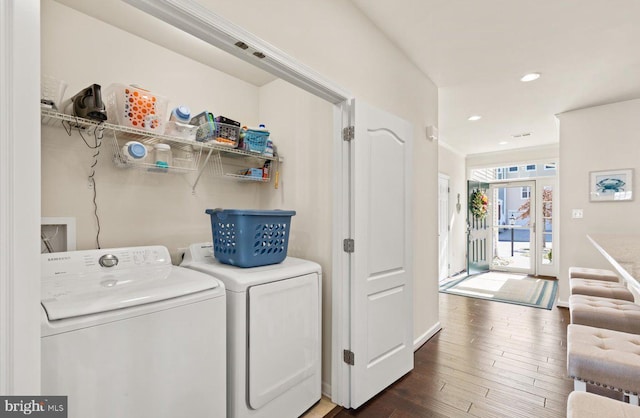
pixel 530 77
pixel 475 117
pixel 503 142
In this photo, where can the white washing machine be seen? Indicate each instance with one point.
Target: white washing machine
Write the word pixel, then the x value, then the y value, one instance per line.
pixel 273 334
pixel 126 334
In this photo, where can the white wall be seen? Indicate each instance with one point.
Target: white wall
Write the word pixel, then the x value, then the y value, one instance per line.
pixel 593 139
pixel 452 164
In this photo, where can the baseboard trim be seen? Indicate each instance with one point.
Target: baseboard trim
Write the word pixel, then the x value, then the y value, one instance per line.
pixel 418 342
pixel 326 389
pixel 562 304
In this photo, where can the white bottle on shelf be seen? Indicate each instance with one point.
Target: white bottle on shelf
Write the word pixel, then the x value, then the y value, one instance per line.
pixel 181 114
pixel 178 124
pixel 134 151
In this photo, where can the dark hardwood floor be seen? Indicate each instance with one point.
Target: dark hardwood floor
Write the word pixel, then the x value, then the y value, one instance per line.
pixel 490 359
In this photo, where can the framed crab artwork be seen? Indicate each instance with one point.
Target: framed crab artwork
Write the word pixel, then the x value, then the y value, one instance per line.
pixel 611 185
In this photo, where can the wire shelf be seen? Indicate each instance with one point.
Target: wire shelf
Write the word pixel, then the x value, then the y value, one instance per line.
pixel 133 134
pixel 187 153
pixel 242 177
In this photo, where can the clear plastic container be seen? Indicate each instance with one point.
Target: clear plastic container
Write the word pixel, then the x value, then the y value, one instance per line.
pixel 52 92
pixel 136 108
pixel 181 130
pixel 162 155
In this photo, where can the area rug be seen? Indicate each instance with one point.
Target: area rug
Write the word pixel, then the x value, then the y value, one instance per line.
pixel 519 289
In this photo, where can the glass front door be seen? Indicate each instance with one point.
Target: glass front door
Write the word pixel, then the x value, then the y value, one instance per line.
pixel 513 227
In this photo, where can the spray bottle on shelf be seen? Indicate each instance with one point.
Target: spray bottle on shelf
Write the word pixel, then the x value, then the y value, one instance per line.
pixel 265 170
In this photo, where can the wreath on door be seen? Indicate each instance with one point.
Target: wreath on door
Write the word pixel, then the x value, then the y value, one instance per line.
pixel 478 204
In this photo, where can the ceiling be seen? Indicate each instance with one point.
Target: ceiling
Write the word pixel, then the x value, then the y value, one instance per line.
pixel 588 52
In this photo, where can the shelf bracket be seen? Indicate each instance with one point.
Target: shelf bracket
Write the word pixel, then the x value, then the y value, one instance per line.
pixel 202 168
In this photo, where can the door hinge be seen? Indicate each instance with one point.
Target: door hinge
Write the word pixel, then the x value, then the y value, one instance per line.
pixel 348 133
pixel 349 245
pixel 348 357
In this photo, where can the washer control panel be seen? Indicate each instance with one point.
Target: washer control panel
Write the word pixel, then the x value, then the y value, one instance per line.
pixel 113 259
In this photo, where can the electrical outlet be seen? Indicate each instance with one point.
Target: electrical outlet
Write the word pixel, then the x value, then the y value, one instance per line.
pixel 577 214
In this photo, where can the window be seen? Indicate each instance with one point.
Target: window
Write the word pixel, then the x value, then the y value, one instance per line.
pixel 517 171
pixel 525 192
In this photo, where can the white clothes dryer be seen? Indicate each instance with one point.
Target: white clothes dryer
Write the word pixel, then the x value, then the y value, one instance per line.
pixel 273 334
pixel 126 334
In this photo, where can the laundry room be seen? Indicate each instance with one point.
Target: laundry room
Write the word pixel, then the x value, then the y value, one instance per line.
pixel 115 204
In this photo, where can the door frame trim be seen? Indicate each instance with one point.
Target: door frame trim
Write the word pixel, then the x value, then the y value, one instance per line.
pixel 341 266
pixel 448 178
pixel 20 191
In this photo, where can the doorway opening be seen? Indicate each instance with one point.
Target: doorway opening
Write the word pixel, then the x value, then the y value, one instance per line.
pixel 513 246
pixel 514 230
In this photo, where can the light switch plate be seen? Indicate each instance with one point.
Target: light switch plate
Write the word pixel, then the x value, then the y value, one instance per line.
pixel 577 214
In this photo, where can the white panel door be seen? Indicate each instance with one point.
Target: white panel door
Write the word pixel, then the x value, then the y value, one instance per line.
pixel 443 226
pixel 381 265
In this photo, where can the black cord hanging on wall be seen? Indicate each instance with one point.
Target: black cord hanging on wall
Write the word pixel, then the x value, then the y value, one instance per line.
pixel 98 133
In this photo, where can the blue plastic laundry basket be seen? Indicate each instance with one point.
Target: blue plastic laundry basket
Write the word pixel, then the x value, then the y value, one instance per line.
pixel 250 238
